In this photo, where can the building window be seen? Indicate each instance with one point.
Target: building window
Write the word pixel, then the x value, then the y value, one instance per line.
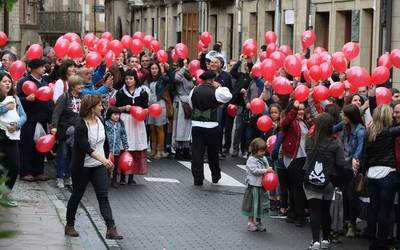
pixel 214 27
pixel 253 27
pixel 322 29
pixel 269 20
pixel 153 28
pixel 229 43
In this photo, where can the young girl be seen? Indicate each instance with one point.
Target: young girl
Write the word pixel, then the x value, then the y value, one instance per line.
pixel 256 166
pixel 117 138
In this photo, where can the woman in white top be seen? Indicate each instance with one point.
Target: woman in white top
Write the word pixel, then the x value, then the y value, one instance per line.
pixel 67 69
pixel 90 163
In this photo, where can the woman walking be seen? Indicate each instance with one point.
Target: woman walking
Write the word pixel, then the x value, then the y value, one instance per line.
pixel 89 163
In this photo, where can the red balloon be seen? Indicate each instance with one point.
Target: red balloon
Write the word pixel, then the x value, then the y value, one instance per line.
pixel 380 75
pixel 326 56
pixel 351 88
pixel 256 70
pixel 358 76
pixel 194 65
pixel 321 93
pixel 109 58
pixel 126 41
pixel 271 143
pixel 138 35
pixel 269 37
pixel 3 38
pixel 17 69
pixel 72 37
pixel 307 77
pixel 138 113
pixel 339 62
pixel 271 48
pixel 308 38
pixel 249 48
pixel 278 57
pixel 29 88
pixel 44 93
pixel 103 46
pixel 301 93
pixel 155 110
pixel 61 48
pixel 293 65
pixel 351 50
pixel 383 96
pixel 268 68
pixel 75 50
pixel 147 40
pixel 232 110
pixel 35 51
pixel 318 50
pixel 112 101
pixel 162 56
pixel 384 60
pixel 174 55
pixel 336 89
pixel 93 59
pixel 285 49
pixel 199 72
pixel 181 50
pixel 270 181
pixel 315 73
pixel 89 40
pixel 116 46
pixel 264 123
pixel 136 46
pixel 257 106
pixel 315 59
pixel 281 85
pixel 45 143
pixel 326 70
pixel 395 57
pixel 155 46
pixel 263 56
pixel 125 162
pixel 206 38
pixel 107 35
pixel 200 46
pixel 299 56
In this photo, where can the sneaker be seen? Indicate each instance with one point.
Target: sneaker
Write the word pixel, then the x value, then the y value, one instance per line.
pixel 7 201
pixel 122 182
pixel 235 153
pixel 251 227
pixel 261 227
pixel 325 244
pixel 60 183
pixel 68 181
pixel 314 246
pixel 11 203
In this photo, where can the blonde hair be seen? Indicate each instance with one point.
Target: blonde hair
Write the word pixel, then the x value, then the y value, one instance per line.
pixel 382 118
pixel 256 145
pixel 74 80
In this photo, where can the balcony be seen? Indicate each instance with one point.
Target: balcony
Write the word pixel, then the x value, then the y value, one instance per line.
pixel 59 22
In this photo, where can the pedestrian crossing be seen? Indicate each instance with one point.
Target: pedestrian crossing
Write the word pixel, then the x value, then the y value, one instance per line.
pixel 226 179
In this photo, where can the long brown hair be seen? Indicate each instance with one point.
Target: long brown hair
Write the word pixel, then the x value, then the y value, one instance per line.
pixel 88 103
pixel 323 128
pixel 12 90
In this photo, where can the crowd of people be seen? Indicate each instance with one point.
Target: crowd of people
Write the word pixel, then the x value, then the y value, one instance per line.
pixel 346 145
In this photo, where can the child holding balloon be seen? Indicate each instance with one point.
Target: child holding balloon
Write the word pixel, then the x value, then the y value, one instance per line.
pixel 117 138
pixel 256 166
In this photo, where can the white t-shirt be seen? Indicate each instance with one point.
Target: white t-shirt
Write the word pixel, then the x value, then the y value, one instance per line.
pixel 58 89
pixel 11 116
pixel 96 137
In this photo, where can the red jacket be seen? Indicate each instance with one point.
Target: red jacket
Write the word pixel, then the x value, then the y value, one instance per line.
pixel 291 134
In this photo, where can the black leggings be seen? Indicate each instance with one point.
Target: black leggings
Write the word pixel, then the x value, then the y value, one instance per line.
pixel 320 218
pixel 297 198
pixel 10 148
pixel 98 176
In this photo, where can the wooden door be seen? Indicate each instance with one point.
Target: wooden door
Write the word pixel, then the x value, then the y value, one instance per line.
pixel 190 29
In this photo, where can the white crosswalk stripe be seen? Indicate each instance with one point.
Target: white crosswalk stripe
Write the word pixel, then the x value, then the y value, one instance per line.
pixel 241 166
pixel 157 179
pixel 225 180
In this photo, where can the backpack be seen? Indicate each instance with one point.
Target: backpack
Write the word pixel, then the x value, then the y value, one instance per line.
pixel 316 175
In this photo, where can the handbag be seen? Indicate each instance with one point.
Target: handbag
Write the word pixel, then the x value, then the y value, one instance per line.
pixel 187 110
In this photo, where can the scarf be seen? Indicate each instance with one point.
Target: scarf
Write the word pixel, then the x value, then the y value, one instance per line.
pixel 136 93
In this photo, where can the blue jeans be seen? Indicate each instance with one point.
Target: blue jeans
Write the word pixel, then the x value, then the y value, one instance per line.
pixel 239 139
pixel 382 192
pixel 63 160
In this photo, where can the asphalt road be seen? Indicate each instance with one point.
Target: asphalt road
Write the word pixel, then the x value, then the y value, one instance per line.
pixel 165 211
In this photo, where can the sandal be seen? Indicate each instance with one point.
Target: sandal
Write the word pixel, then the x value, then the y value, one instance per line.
pixel 28 177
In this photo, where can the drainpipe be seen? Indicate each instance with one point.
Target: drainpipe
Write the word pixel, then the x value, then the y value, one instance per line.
pixel 239 6
pixel 389 6
pixel 277 26
pixel 166 28
pixel 83 17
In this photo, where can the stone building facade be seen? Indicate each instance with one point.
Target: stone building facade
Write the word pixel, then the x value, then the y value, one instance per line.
pixel 370 22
